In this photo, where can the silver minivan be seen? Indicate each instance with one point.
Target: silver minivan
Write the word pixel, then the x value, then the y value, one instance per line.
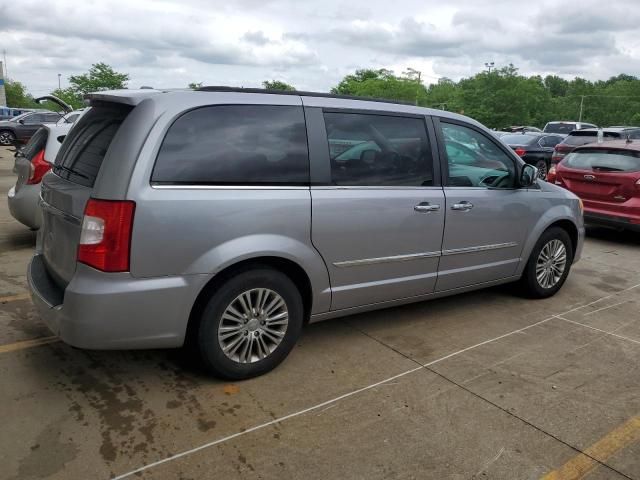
pixel 226 219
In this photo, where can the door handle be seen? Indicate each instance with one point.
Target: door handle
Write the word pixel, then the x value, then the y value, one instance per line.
pixel 425 207
pixel 464 206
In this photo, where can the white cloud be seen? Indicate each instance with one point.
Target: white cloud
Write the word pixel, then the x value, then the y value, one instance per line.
pixel 312 44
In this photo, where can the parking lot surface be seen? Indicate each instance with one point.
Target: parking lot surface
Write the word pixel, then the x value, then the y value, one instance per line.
pixel 482 385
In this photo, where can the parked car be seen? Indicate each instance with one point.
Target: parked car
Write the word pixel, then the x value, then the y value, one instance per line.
pixel 20 129
pixel 606 176
pixel 31 163
pixel 7 113
pixel 565 128
pixel 583 137
pixel 517 129
pixel 534 148
pixel 220 219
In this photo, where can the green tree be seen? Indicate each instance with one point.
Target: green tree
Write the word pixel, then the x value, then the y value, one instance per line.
pixel 68 96
pixel 277 85
pixel 17 95
pixel 99 77
pixel 195 85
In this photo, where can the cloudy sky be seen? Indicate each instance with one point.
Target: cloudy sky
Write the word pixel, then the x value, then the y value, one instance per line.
pixel 312 44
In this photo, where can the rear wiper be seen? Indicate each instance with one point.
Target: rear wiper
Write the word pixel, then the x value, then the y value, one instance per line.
pixel 67 169
pixel 606 169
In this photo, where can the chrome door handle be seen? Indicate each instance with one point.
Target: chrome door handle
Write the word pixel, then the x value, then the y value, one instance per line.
pixel 425 207
pixel 464 206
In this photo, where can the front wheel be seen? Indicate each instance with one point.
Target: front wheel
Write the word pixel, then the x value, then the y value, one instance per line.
pixel 549 264
pixel 7 138
pixel 543 169
pixel 250 324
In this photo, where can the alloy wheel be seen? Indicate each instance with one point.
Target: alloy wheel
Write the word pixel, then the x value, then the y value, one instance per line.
pixel 551 263
pixel 253 325
pixel 6 138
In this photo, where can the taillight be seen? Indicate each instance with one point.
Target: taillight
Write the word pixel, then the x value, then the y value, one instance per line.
pixel 105 240
pixel 520 151
pixel 551 174
pixel 39 166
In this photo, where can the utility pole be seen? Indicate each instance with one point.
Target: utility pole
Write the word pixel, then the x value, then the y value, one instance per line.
pixel 59 75
pixel 412 71
pixel 581 105
pixel 489 66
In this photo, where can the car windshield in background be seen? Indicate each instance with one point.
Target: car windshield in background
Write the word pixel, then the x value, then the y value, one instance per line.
pixel 519 139
pixel 559 128
pixel 604 160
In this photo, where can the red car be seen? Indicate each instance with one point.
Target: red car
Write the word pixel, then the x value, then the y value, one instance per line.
pixel 606 176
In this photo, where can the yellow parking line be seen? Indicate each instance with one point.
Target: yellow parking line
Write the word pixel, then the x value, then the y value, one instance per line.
pixel 13 298
pixel 580 465
pixel 36 342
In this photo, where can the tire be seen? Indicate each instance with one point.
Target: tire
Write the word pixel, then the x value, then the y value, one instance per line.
pixel 543 168
pixel 259 334
pixel 6 138
pixel 531 284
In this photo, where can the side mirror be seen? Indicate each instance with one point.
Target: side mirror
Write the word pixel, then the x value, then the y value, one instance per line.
pixel 368 156
pixel 21 121
pixel 529 175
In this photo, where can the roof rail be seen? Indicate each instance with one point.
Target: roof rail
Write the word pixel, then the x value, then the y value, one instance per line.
pixel 299 93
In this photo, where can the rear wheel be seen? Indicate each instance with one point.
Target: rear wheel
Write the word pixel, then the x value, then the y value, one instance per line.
pixel 6 138
pixel 543 169
pixel 250 324
pixel 549 264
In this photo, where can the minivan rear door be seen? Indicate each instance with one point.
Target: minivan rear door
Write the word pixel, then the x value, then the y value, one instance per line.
pixel 377 204
pixel 66 190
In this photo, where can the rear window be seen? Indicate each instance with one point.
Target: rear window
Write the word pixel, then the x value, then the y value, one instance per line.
pixel 604 160
pixel 582 138
pixel 235 145
pixel 518 139
pixel 559 127
pixel 81 156
pixel 37 142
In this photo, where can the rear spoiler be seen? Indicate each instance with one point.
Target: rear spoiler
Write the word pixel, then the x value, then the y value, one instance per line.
pixel 126 97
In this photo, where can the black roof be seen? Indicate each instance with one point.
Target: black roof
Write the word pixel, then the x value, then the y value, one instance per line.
pixel 297 92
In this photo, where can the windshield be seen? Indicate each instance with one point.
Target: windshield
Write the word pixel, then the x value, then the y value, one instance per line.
pixel 22 115
pixel 559 127
pixel 518 139
pixel 604 160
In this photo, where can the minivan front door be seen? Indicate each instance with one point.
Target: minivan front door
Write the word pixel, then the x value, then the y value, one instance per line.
pixel 378 220
pixel 487 218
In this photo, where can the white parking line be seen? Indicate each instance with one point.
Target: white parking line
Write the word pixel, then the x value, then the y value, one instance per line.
pixel 604 308
pixel 353 392
pixel 597 329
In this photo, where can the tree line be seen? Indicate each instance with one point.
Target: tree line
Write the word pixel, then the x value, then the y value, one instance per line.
pixel 499 98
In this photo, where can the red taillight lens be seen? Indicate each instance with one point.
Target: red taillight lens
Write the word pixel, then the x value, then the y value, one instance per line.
pixel 105 241
pixel 551 174
pixel 39 166
pixel 520 151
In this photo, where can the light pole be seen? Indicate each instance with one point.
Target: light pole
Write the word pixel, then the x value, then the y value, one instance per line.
pixel 59 75
pixel 489 66
pixel 412 71
pixel 581 105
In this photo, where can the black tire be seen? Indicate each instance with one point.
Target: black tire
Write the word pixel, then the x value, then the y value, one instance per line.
pixel 208 344
pixel 529 284
pixel 543 168
pixel 7 138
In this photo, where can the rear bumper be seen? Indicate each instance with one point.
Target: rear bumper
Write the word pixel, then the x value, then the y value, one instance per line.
pixel 114 311
pixel 615 221
pixel 23 205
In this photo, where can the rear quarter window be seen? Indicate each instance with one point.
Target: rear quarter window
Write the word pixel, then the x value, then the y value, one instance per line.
pixel 81 156
pixel 235 145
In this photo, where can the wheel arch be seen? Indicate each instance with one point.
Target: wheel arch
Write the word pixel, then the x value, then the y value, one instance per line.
pixel 284 265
